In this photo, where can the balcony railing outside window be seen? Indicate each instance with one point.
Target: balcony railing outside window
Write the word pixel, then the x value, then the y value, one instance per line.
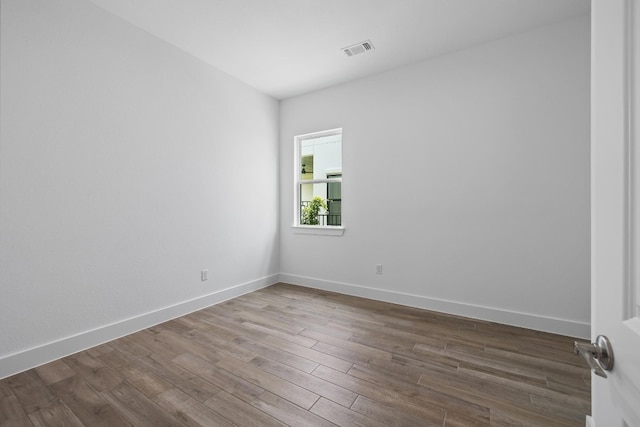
pixel 323 219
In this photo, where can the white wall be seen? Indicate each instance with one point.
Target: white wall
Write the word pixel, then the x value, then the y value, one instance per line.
pixel 122 174
pixel 466 176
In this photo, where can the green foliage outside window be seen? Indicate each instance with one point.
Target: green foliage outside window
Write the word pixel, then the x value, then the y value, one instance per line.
pixel 311 211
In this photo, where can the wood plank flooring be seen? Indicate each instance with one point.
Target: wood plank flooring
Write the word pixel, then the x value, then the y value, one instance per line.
pixel 287 355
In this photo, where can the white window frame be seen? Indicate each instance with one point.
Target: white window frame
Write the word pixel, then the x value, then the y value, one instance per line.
pixel 327 230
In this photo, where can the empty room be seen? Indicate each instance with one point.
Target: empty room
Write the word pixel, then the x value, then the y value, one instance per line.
pixel 175 247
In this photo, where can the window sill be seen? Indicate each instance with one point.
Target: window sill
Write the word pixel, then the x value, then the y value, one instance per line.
pixel 322 231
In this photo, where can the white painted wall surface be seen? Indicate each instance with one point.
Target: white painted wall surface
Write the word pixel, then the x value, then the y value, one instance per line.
pixel 123 173
pixel 466 176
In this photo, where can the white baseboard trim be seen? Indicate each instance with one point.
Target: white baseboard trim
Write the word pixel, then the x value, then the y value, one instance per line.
pixel 525 320
pixel 33 357
pixel 589 422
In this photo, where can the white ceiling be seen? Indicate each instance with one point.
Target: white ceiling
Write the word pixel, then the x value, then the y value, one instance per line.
pixel 289 47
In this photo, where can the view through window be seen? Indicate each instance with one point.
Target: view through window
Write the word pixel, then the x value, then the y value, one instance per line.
pixel 319 179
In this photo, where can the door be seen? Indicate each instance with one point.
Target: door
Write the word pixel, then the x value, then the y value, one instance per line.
pixel 334 200
pixel 615 207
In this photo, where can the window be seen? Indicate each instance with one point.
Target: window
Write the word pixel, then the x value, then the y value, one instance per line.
pixel 318 180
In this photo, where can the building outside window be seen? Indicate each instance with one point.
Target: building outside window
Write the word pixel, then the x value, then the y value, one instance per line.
pixel 318 183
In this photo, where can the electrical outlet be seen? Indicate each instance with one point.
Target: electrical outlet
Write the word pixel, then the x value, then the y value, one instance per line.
pixel 204 275
pixel 378 268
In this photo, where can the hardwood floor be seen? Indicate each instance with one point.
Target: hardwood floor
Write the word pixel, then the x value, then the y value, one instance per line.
pixel 287 355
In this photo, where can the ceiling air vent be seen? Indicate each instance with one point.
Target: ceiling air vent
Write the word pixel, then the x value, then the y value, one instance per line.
pixel 358 48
